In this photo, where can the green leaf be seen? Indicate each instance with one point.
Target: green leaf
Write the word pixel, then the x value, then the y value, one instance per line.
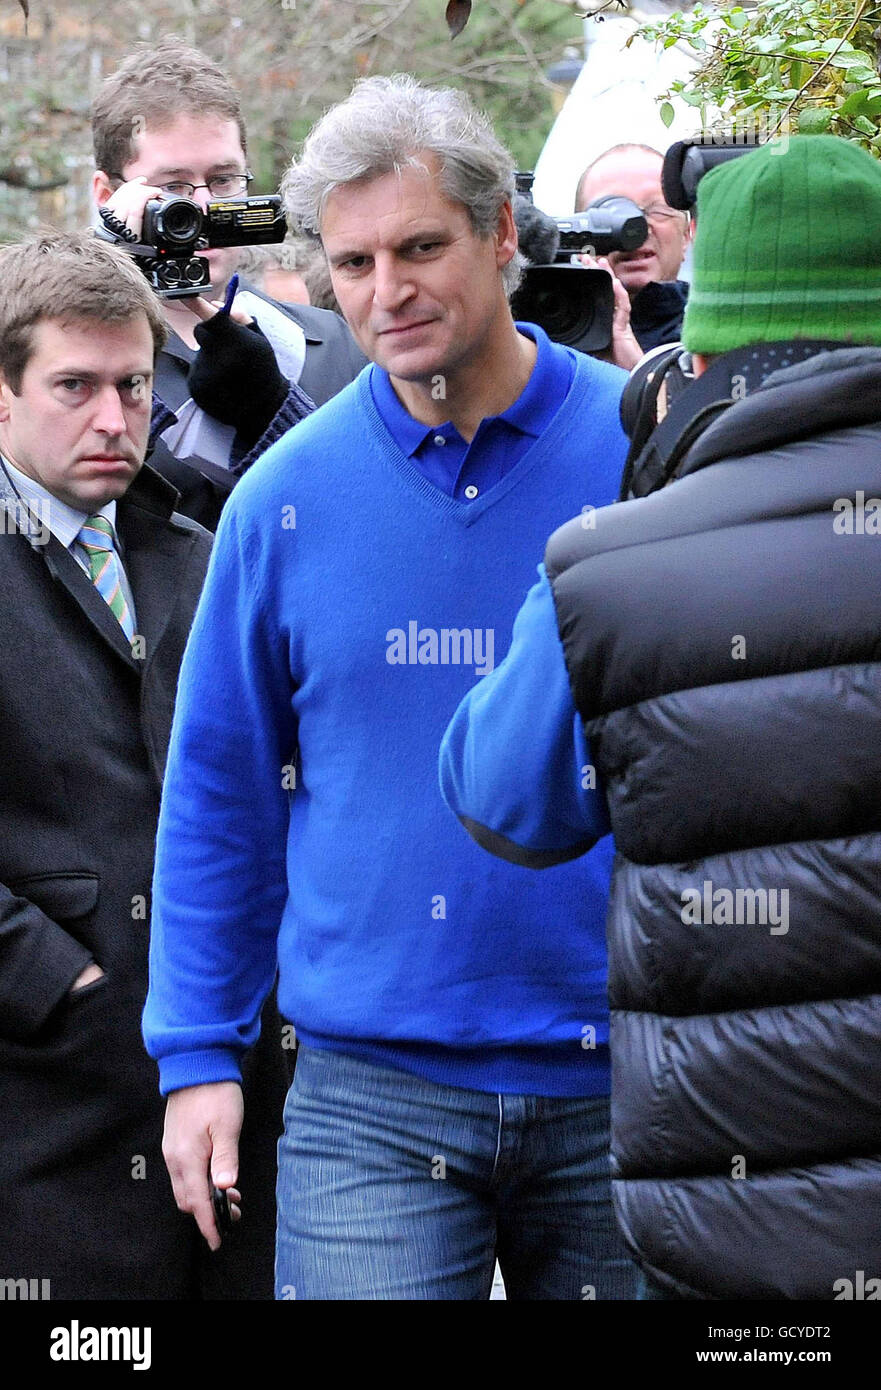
pixel 693 98
pixel 863 75
pixel 807 46
pixel 814 120
pixel 865 125
pixel 667 113
pixel 738 18
pixel 854 103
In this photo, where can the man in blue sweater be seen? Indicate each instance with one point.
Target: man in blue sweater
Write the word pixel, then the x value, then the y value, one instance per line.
pixel 450 1105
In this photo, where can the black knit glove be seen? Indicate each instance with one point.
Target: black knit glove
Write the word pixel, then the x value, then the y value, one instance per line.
pixel 235 376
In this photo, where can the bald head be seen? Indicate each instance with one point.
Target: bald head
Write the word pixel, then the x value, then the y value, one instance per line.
pixel 634 171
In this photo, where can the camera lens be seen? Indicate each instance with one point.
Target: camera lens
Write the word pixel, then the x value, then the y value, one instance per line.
pixel 193 272
pixel 169 273
pixel 179 220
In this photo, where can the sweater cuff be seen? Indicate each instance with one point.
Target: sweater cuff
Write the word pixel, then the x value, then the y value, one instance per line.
pixel 182 1069
pixel 294 408
pixel 160 419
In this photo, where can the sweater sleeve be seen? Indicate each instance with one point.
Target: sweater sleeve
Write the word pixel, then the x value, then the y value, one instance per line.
pixel 220 878
pixel 514 766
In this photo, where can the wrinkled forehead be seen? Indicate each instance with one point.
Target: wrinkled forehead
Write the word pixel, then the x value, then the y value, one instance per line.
pixel 390 205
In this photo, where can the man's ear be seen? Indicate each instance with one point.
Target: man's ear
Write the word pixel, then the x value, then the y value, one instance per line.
pixel 5 393
pixel 101 188
pixel 506 235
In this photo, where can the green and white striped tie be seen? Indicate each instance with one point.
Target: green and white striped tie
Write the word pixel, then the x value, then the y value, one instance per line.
pixel 96 538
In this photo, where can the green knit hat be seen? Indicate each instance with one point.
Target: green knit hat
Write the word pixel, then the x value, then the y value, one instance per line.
pixel 788 245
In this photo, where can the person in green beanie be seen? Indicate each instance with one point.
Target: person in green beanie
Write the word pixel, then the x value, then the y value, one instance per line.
pixel 701 666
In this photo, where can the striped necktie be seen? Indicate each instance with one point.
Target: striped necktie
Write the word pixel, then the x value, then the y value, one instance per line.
pixel 96 538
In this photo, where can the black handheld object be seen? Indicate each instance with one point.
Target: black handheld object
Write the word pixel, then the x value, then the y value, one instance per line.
pixel 686 162
pixel 574 304
pixel 608 224
pixel 222 1212
pixel 235 376
pixel 176 230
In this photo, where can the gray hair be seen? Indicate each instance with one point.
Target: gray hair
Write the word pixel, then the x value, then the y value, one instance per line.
pixel 382 127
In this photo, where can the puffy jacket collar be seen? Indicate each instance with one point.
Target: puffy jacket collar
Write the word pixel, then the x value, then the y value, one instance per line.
pixel 831 390
pixel 727 389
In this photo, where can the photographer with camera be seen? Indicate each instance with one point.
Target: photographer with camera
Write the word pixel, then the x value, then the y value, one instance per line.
pixel 649 298
pixel 719 639
pixel 168 124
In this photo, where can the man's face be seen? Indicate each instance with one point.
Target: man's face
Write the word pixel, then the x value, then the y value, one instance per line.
pixel 80 422
pixel 192 149
pixel 419 289
pixel 636 174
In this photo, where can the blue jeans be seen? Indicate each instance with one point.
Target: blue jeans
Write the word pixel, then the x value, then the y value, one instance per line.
pixel 391 1187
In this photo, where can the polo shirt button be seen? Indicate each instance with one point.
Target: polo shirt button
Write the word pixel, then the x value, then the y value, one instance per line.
pixel 439 439
pixel 471 492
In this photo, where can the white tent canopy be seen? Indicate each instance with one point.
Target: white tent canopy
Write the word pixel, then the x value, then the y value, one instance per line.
pixel 614 100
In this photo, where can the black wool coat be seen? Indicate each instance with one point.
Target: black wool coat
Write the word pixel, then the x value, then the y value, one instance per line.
pixel 85 1200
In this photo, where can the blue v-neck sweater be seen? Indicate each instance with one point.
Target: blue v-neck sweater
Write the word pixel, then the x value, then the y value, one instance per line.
pixel 348 607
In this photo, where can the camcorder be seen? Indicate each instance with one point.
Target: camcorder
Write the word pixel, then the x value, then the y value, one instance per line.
pixel 574 304
pixel 659 380
pixel 176 230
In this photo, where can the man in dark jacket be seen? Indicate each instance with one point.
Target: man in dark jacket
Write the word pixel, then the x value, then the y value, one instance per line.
pixel 168 123
pixel 722 644
pixel 100 581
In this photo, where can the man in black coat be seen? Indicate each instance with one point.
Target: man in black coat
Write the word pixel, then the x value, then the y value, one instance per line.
pixel 720 641
pixel 168 123
pixel 100 579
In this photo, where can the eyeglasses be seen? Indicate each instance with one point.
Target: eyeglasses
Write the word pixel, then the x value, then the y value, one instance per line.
pixel 659 212
pixel 221 186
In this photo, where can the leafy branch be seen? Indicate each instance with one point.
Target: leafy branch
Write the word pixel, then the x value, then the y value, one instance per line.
pixel 818 60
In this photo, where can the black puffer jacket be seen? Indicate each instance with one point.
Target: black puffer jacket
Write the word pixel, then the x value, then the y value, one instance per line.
pixel 723 638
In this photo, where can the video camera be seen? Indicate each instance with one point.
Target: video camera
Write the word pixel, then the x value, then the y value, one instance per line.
pixel 175 230
pixel 663 375
pixel 574 304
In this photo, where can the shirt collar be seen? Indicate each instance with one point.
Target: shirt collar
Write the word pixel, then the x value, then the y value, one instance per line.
pixel 530 413
pixel 63 521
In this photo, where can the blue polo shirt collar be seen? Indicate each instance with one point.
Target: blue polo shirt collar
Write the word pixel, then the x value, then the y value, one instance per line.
pixel 530 413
